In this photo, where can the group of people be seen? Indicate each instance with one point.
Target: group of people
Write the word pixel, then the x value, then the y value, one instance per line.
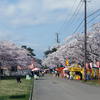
pixel 35 73
pixel 57 73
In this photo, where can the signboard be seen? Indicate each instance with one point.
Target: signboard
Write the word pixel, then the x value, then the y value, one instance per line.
pixel 75 69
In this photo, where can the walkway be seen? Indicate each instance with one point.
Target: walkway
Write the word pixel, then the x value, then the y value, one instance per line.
pixel 55 88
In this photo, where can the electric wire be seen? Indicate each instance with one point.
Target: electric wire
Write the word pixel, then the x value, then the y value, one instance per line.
pixel 67 16
pixel 91 19
pixel 87 23
pixel 73 17
pixel 93 13
pixel 73 20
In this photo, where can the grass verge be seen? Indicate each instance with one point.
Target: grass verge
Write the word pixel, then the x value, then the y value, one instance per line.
pixel 11 90
pixel 95 82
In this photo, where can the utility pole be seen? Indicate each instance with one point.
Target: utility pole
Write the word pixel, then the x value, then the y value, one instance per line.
pixel 43 57
pixel 85 37
pixel 57 37
pixel 49 49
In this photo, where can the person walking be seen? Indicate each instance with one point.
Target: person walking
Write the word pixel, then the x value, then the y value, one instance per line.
pixel 65 74
pixel 58 73
pixel 42 73
pixel 55 73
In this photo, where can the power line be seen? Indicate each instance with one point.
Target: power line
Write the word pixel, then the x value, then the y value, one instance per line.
pixel 67 16
pixel 93 13
pixel 89 21
pixel 73 20
pixel 73 17
pixel 93 18
pixel 78 27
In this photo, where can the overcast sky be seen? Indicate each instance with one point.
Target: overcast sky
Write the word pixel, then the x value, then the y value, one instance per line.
pixel 34 22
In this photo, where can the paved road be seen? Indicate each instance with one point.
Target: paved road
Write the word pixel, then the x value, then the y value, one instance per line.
pixel 55 88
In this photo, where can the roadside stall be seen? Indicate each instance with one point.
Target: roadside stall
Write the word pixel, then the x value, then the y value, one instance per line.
pixel 35 71
pixel 76 72
pixel 60 71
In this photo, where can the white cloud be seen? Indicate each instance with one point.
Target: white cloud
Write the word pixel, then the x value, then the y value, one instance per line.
pixel 32 12
pixel 6 34
pixel 25 13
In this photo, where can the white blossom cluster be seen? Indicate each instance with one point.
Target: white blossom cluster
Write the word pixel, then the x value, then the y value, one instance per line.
pixel 12 55
pixel 73 48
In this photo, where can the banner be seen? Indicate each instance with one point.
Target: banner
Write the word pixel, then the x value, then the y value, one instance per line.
pixel 86 65
pixel 91 65
pixel 98 64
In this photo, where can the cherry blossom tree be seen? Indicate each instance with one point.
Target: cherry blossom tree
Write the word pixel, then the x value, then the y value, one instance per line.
pixel 73 48
pixel 12 55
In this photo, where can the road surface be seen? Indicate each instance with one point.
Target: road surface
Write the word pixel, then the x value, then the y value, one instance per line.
pixel 55 88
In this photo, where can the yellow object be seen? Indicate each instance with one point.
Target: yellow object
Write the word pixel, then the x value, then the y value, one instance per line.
pixel 67 62
pixel 42 72
pixel 77 68
pixel 93 73
pixel 76 77
pixel 97 73
pixel 71 74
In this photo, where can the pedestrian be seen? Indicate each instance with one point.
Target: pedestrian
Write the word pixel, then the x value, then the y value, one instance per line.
pixel 55 73
pixel 42 73
pixel 58 73
pixel 65 74
pixel 18 79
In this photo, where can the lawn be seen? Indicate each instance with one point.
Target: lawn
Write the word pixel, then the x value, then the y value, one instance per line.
pixel 11 90
pixel 95 82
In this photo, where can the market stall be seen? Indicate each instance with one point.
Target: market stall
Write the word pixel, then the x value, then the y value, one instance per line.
pixel 60 71
pixel 76 72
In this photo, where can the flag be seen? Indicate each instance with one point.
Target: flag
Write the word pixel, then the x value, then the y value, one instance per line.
pixel 67 62
pixel 86 65
pixel 91 65
pixel 98 64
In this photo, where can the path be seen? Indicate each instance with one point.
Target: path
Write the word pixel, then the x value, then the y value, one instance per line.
pixel 55 88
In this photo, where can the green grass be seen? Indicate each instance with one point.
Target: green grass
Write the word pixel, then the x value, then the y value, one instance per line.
pixel 95 82
pixel 11 90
